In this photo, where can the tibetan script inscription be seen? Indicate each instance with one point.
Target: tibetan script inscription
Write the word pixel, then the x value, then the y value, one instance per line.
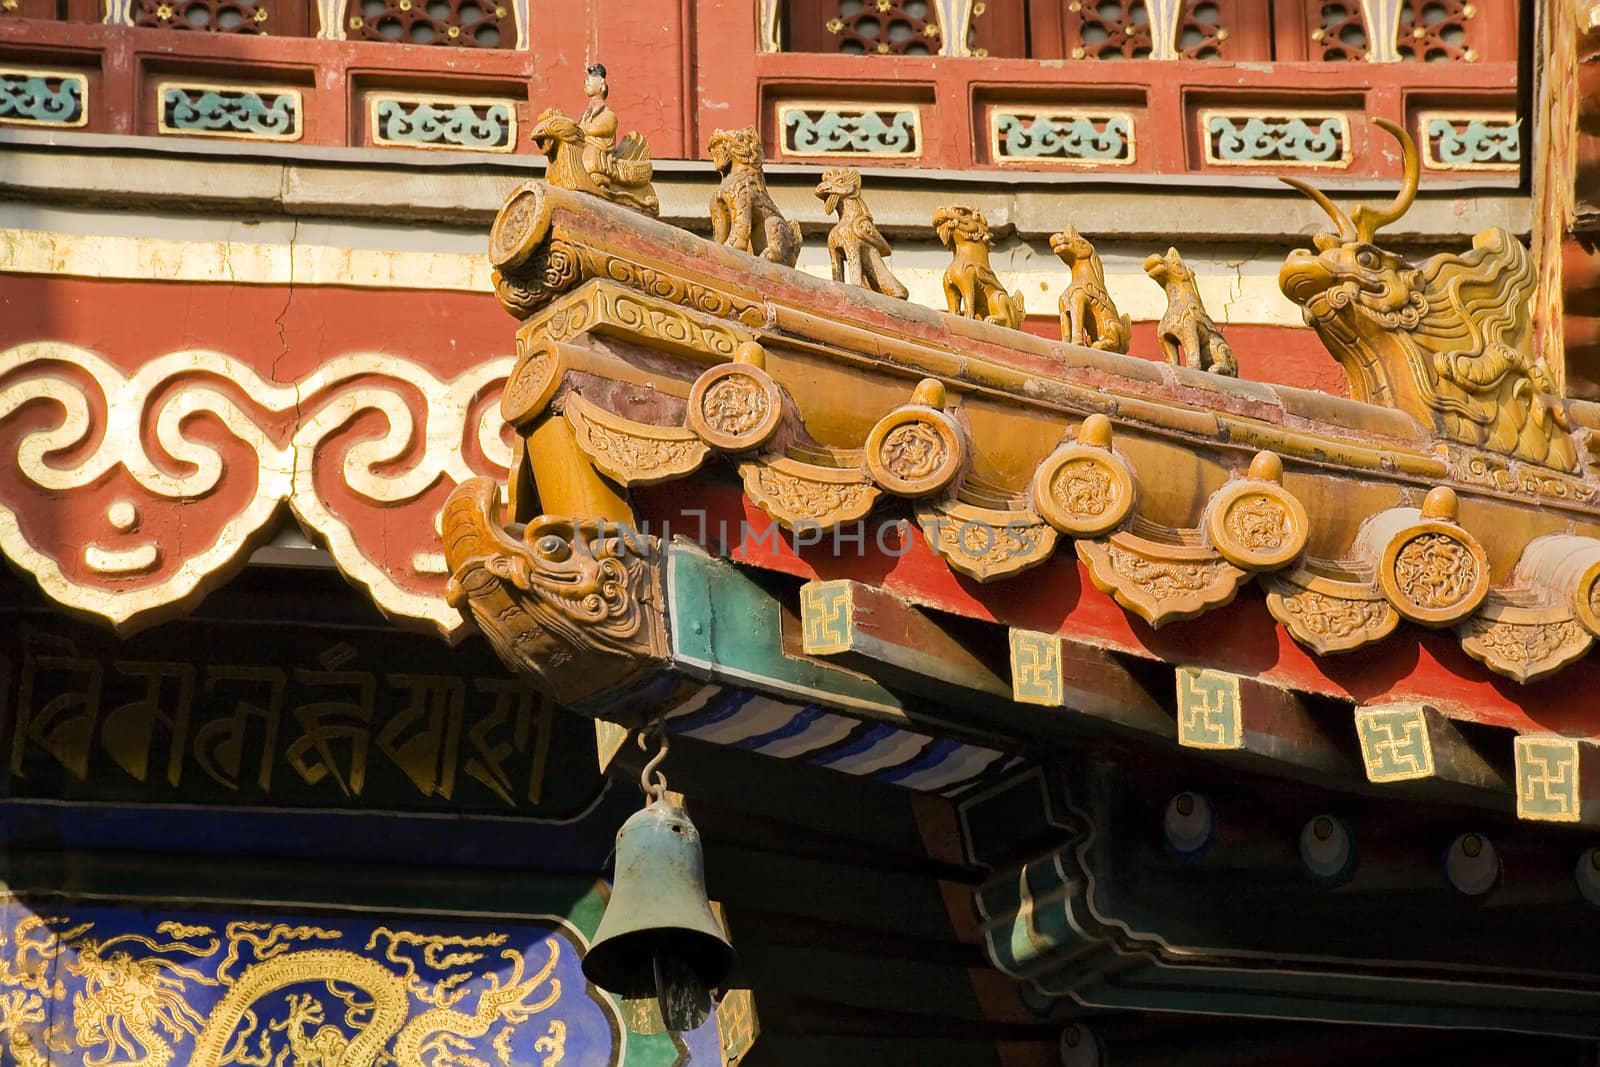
pixel 307 717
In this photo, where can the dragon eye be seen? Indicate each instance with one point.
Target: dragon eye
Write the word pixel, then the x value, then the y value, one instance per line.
pixel 552 548
pixel 1367 258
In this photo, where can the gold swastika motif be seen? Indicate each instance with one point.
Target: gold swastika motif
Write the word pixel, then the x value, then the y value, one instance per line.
pixel 1208 709
pixel 1036 668
pixel 738 1025
pixel 1395 745
pixel 1547 779
pixel 825 616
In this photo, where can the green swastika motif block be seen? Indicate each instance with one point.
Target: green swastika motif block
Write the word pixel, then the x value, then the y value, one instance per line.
pixel 1395 743
pixel 1548 780
pixel 1208 709
pixel 1036 668
pixel 825 617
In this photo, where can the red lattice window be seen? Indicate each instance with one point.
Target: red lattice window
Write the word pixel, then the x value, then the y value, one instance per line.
pixel 1106 29
pixel 1437 31
pixel 204 16
pixel 1339 31
pixel 460 23
pixel 1202 34
pixel 883 27
pixel 279 18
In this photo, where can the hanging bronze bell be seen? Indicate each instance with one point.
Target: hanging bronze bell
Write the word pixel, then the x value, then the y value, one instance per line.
pixel 658 937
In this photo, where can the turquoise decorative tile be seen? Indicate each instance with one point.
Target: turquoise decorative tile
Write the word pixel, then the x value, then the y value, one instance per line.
pixel 1474 140
pixel 256 113
pixel 849 130
pixel 1291 139
pixel 1208 709
pixel 1056 137
pixel 479 125
pixel 43 98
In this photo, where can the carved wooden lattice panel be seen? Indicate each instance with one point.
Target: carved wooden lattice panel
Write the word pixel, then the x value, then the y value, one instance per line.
pixel 882 27
pixel 1339 31
pixel 463 23
pixel 1108 29
pixel 204 16
pixel 1437 31
pixel 1202 34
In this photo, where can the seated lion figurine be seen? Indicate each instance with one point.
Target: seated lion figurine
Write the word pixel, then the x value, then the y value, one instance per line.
pixel 743 215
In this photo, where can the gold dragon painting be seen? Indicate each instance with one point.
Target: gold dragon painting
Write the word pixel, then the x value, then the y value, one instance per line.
pixel 84 989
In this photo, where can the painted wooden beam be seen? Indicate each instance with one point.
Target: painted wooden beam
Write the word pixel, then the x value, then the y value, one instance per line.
pixel 1085 680
pixel 1416 743
pixel 1230 713
pixel 846 617
pixel 1552 772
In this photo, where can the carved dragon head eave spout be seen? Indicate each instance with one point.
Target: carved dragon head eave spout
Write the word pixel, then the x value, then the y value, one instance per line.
pixel 580 614
pixel 1447 340
pixel 1348 257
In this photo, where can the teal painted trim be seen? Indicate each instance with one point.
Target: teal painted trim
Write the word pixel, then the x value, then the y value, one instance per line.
pixel 1048 137
pixel 1029 930
pixel 42 99
pixel 465 125
pixel 726 628
pixel 253 114
pixel 815 133
pixel 1267 139
pixel 1086 947
pixel 1479 142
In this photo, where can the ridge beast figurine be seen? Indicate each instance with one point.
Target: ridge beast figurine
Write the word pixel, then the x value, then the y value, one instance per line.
pixel 1088 315
pixel 971 287
pixel 584 156
pixel 1448 340
pixel 855 246
pixel 1187 334
pixel 743 215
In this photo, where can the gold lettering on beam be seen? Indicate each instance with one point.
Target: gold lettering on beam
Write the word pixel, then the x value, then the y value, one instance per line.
pixel 219 745
pixel 513 706
pixel 427 754
pixel 434 728
pixel 64 725
pixel 130 729
pixel 312 755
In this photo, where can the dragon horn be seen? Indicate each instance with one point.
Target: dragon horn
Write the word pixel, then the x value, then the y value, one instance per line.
pixel 1347 229
pixel 1369 220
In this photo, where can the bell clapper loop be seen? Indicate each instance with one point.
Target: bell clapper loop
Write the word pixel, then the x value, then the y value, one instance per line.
pixel 655 789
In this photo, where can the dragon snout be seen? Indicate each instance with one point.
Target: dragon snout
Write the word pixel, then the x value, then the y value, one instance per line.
pixel 1304 276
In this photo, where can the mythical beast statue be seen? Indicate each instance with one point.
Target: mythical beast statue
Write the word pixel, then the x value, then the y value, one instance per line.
pixel 743 214
pixel 856 247
pixel 1088 314
pixel 971 287
pixel 1187 333
pixel 1449 341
